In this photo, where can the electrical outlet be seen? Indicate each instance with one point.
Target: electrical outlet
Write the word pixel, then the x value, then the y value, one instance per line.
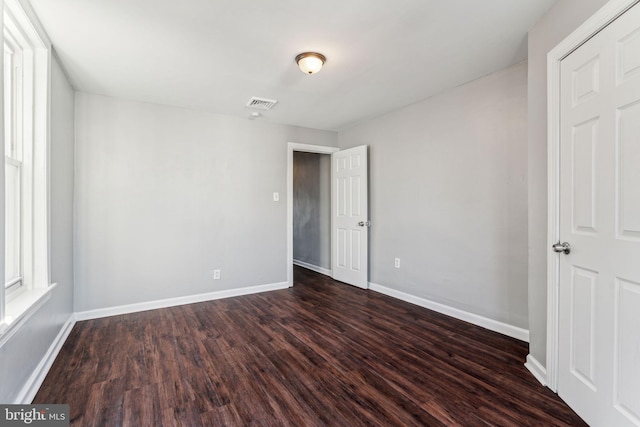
pixel 397 263
pixel 216 274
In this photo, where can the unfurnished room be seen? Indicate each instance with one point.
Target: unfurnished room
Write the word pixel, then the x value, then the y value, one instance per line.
pixel 336 213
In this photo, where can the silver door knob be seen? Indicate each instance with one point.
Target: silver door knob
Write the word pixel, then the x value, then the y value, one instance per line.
pixel 562 248
pixel 364 223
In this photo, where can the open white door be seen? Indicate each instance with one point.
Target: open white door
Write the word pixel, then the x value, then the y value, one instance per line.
pixel 350 211
pixel 599 284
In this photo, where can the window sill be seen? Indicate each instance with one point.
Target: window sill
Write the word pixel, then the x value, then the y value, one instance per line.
pixel 20 309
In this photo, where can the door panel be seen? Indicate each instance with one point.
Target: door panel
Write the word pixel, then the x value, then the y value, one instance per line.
pixel 628 56
pixel 356 253
pixel 583 153
pixel 628 142
pixel 599 336
pixel 627 348
pixel 586 81
pixel 350 213
pixel 583 316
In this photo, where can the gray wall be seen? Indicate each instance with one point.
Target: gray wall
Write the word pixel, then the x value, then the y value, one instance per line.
pixel 560 21
pixel 22 353
pixel 165 195
pixel 448 196
pixel 312 208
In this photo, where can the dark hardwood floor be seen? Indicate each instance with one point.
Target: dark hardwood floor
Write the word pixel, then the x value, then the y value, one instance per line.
pixel 320 353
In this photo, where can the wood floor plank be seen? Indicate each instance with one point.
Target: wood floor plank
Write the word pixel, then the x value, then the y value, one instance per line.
pixel 319 354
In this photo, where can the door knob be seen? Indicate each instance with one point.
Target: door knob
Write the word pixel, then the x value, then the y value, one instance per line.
pixel 364 223
pixel 562 247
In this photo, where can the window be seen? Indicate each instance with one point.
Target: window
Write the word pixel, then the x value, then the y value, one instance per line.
pixel 12 163
pixel 26 197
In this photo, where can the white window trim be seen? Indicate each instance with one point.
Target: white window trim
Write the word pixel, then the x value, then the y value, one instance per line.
pixel 21 309
pixel 15 157
pixel 36 272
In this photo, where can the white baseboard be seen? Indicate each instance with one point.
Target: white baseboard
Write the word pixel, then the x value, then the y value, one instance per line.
pixel 536 369
pixel 312 267
pixel 172 302
pixel 493 325
pixel 31 387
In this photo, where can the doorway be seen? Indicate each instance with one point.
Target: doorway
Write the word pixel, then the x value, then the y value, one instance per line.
pixel 349 212
pixel 299 148
pixel 312 211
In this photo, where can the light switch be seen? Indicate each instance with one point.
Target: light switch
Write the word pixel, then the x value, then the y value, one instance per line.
pixel 276 197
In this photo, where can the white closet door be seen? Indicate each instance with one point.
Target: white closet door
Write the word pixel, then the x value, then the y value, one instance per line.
pixel 350 208
pixel 599 335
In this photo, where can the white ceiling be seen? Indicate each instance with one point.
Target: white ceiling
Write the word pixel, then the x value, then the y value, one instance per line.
pixel 215 54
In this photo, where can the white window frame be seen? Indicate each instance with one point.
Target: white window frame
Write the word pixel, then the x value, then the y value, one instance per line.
pixel 20 21
pixel 13 157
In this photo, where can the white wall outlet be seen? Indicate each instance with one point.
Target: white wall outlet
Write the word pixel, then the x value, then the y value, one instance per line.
pixel 216 274
pixel 397 263
pixel 276 197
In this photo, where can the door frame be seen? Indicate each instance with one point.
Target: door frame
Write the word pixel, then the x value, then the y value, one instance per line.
pixel 603 17
pixel 305 148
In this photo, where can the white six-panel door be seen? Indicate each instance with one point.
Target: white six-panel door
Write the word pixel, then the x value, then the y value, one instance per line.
pixel 599 323
pixel 350 212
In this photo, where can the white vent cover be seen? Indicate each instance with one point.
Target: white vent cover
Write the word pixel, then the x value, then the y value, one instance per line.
pixel 261 103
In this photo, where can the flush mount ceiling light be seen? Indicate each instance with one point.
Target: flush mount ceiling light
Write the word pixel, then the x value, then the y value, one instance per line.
pixel 310 62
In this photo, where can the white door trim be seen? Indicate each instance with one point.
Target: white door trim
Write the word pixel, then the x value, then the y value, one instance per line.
pixel 593 25
pixel 307 148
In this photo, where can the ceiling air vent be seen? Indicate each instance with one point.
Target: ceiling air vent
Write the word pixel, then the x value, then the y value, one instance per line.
pixel 261 103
